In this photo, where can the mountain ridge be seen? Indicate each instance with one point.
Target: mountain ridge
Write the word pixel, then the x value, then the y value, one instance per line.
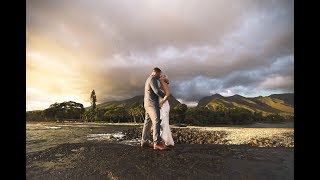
pixel 136 100
pixel 282 104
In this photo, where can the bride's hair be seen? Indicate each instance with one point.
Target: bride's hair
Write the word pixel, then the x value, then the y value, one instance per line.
pixel 165 77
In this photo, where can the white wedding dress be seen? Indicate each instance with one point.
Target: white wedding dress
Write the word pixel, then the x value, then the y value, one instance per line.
pixel 165 127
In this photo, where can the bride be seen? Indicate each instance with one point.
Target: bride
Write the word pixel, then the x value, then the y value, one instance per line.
pixel 164 112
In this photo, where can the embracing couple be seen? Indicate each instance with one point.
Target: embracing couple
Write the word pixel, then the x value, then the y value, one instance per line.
pixel 157 112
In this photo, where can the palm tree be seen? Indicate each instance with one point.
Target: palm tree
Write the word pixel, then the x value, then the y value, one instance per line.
pixel 93 99
pixel 132 113
pixel 140 111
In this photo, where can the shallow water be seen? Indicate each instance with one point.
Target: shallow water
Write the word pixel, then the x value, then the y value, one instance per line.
pixel 41 136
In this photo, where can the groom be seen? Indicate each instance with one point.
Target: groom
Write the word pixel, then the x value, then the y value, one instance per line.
pixel 152 93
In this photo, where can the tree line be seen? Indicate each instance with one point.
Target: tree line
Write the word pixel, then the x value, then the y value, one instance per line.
pixel 180 114
pixel 222 115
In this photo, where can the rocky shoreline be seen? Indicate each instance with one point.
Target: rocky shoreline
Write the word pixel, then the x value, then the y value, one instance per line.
pixel 201 136
pixel 184 136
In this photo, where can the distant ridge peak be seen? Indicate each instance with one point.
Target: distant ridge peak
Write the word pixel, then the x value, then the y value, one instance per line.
pixel 282 94
pixel 236 95
pixel 216 94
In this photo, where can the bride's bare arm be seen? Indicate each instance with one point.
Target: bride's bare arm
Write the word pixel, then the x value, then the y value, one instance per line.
pixel 166 89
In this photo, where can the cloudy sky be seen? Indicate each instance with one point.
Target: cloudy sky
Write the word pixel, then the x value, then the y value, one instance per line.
pixel 229 47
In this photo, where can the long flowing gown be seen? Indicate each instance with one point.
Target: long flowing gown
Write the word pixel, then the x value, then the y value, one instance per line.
pixel 165 127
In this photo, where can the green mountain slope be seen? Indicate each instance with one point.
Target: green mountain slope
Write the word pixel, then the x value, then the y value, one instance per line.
pixel 133 101
pixel 274 104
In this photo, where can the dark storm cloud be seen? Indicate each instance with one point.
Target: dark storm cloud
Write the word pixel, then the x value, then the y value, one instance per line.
pixel 229 47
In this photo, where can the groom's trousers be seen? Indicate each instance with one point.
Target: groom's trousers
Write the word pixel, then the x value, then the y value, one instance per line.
pixel 152 118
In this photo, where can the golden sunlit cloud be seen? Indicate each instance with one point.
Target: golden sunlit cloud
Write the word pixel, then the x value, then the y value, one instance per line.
pixel 111 46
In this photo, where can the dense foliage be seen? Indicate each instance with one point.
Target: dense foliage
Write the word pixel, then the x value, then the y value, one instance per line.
pixel 58 111
pixel 180 114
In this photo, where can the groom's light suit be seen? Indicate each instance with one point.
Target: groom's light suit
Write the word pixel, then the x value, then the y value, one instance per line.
pixel 151 105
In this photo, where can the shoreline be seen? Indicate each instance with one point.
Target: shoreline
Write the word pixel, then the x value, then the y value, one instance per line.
pixel 44 135
pixel 261 137
pixel 253 125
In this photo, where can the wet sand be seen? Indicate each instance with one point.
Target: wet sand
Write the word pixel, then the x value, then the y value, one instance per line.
pixel 185 161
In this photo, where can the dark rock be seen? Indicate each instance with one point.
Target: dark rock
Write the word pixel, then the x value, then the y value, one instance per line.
pixel 184 136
